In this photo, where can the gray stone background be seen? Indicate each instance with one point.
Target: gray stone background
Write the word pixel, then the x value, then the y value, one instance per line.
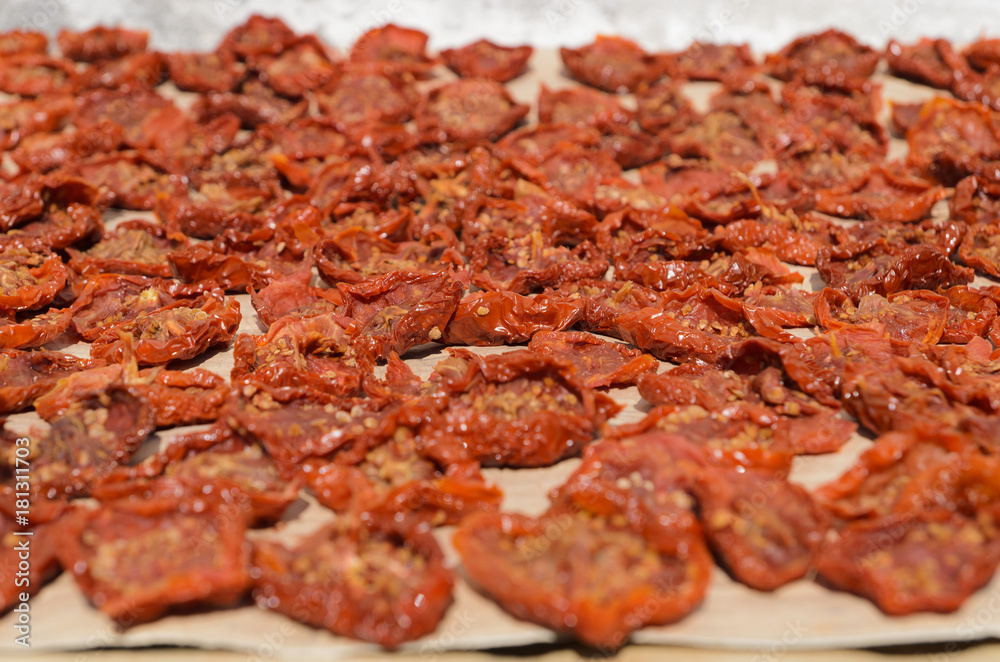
pixel 656 24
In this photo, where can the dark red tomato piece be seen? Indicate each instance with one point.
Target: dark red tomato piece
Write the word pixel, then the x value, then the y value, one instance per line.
pixel 374 581
pixel 25 117
pixel 468 109
pixel 300 68
pixel 292 295
pixel 546 570
pixel 138 70
pixel 779 305
pixel 885 196
pixel 109 299
pixel 582 106
pixel 354 254
pixel 903 116
pixel 131 181
pixel 647 478
pixel 295 428
pixel 923 62
pixel 930 562
pixel 484 59
pixel 22 41
pixel 669 339
pixel 101 43
pixel 180 330
pixel 980 249
pixel 538 142
pixel 360 98
pixel 134 247
pixel 612 64
pixel 400 310
pixel 259 35
pixel 831 59
pixel 971 314
pixel 721 136
pixel 968 373
pixel 27 375
pixel 518 409
pixel 400 477
pixel 204 72
pixel 20 201
pixel 506 318
pixel 530 263
pixel 965 131
pixel 236 262
pixel 603 301
pixel 96 434
pixel 983 54
pixel 616 230
pixel 256 104
pixel 975 200
pixel 576 173
pixel 393 50
pixel 60 228
pixel 702 61
pixel 944 235
pixel 34 331
pixel 662 108
pixel 909 316
pixel 597 362
pixel 883 269
pixel 136 560
pixel 30 276
pixel 766 530
pixel 36 74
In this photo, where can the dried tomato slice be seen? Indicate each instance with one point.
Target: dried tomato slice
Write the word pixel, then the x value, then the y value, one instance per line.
pixel 612 64
pixel 293 296
pixel 400 476
pixel 237 260
pixel 133 247
pixel 400 310
pixel 393 50
pixel 506 318
pixel 35 331
pixel 885 196
pixel 83 446
pixel 831 59
pixel 924 62
pixel 530 263
pixel 394 580
pixel 30 276
pixel 905 564
pixel 299 68
pixel 543 570
pixel 975 200
pixel 180 330
pixel 980 249
pixel 597 362
pixel 779 305
pixel 702 61
pixel 909 316
pixel 354 254
pixel 468 109
pixel 766 530
pixel 881 268
pixel 360 98
pixel 518 409
pixel 254 105
pixel 204 72
pixel 22 41
pixel 26 117
pixel 484 59
pixel 36 74
pixel 27 375
pixel 257 36
pixel 963 131
pixel 60 228
pixel 101 43
pixel 136 560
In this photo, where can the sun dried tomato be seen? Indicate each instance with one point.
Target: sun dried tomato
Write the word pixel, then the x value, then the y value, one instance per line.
pixel 965 374
pixel 721 136
pixel 299 68
pixel 22 41
pixel 908 316
pixel 468 109
pixel 30 276
pixel 354 254
pixel 399 310
pixel 34 331
pixel 134 247
pixel 971 314
pixel 360 98
pixel 662 107
pixel 400 477
pixel 574 173
pixel 538 142
pixel 27 375
pixel 131 181
pixel 136 560
pixel 543 570
pixel 392 577
pixel 612 64
pixel 882 268
pixel 766 530
pixel 518 409
pixel 259 35
pixel 36 74
pixel 944 235
pixel 885 196
pixel 293 296
pixel 484 59
pixel 506 318
pixel 964 131
pixel 204 72
pixel 82 447
pixel 180 330
pixel 980 249
pixel 393 50
pixel 702 61
pixel 975 200
pixel 22 118
pixel 580 105
pixel 597 362
pixel 829 58
pixel 780 306
pixel 529 263
pixel 295 426
pixel 667 338
pixel 905 564
pixel 903 116
pixel 922 62
pixel 101 43
pixel 255 104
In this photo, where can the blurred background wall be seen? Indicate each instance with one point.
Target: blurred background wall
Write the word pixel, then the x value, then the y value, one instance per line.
pixel 656 24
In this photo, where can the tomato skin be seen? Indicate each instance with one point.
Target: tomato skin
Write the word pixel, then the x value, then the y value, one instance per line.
pixel 598 362
pixel 484 59
pixel 926 61
pixel 826 58
pixel 29 374
pixel 311 583
pixel 164 558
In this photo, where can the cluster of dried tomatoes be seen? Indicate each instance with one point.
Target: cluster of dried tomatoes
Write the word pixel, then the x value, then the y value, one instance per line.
pixel 432 213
